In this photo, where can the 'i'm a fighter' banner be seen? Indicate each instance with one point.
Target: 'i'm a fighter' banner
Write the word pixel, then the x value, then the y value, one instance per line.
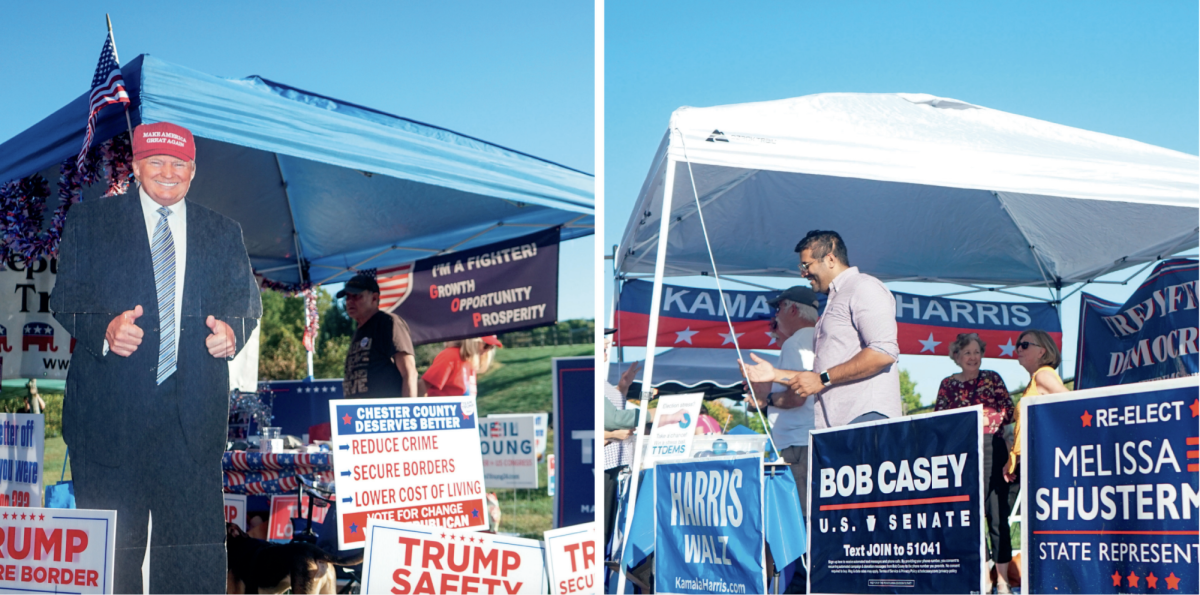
pixel 498 288
pixel 408 460
pixel 692 317
pixel 1151 336
pixel 896 505
pixel 1109 483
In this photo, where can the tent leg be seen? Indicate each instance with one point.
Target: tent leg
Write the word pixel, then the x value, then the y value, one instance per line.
pixel 660 261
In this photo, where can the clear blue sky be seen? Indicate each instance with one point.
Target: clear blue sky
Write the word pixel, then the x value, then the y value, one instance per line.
pixel 516 74
pixel 1127 69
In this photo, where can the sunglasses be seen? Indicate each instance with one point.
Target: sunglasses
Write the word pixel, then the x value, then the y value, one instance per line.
pixel 1026 345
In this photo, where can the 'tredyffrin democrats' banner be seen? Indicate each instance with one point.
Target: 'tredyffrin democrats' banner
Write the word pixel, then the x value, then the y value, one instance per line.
pixel 709 535
pixel 1110 489
pixel 896 505
pixel 498 288
pixel 1153 335
pixel 692 317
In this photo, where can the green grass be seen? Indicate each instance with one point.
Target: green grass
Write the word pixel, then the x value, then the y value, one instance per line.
pixel 521 383
pixel 52 460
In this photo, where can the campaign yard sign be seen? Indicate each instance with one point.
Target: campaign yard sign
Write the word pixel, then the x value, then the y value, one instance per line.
pixel 708 535
pixel 414 559
pixel 22 442
pixel 572 559
pixel 283 510
pixel 411 460
pixel 1109 481
pixel 896 505
pixel 498 288
pixel 509 456
pixel 574 393
pixel 674 426
pixel 235 510
pixel 541 423
pixel 54 550
pixel 1154 335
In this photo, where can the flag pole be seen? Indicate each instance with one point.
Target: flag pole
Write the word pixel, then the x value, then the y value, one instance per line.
pixel 128 122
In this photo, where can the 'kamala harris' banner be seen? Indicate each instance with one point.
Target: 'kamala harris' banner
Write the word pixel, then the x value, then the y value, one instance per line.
pixel 692 317
pixel 1153 335
pixel 1110 490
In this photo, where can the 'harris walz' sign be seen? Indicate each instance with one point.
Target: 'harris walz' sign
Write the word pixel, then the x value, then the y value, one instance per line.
pixel 1110 490
pixel 1152 335
pixel 692 317
pixel 502 287
pixel 897 507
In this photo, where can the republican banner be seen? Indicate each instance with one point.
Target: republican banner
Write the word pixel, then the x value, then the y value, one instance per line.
pixel 896 505
pixel 674 426
pixel 509 457
pixel 32 344
pixel 60 551
pixel 1153 335
pixel 571 559
pixel 1109 487
pixel 498 288
pixel 692 317
pixel 708 534
pixel 23 442
pixel 410 460
pixel 407 558
pixel 574 393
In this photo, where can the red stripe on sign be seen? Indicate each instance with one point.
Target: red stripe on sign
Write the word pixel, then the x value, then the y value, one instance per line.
pixel 1193 467
pixel 1102 532
pixel 894 503
pixel 462 514
pixel 689 332
pixel 1193 440
pixel 928 339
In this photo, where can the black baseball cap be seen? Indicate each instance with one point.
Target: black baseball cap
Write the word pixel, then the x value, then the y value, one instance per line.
pixel 609 331
pixel 798 294
pixel 358 284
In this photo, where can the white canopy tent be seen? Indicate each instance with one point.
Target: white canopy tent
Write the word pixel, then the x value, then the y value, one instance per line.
pixel 921 188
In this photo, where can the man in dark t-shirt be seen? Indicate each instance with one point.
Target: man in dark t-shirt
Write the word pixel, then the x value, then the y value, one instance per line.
pixel 380 362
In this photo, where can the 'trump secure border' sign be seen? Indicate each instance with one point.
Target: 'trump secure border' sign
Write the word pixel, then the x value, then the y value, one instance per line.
pixel 1110 489
pixel 896 505
pixel 412 460
pixel 61 550
pixel 407 558
pixel 709 535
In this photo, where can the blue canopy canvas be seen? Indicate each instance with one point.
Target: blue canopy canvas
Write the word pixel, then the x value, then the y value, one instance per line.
pixel 319 185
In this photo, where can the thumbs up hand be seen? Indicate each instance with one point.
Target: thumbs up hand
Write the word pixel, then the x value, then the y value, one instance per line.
pixel 221 343
pixel 123 335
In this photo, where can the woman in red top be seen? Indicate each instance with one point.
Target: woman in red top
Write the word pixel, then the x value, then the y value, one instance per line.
pixel 453 371
pixel 970 387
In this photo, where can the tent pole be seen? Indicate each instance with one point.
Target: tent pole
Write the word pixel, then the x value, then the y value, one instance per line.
pixel 660 261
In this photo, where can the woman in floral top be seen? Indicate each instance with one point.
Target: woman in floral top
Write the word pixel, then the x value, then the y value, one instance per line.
pixel 970 387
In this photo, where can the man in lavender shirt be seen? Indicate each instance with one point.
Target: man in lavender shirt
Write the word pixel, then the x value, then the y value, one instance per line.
pixel 855 375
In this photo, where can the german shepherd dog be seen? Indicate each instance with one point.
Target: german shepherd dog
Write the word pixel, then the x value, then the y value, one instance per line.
pixel 258 566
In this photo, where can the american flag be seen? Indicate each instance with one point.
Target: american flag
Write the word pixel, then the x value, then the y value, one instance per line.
pixel 107 87
pixel 395 283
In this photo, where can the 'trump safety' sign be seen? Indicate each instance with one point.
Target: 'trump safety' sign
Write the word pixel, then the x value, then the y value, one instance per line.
pixel 414 559
pixel 896 505
pixel 709 535
pixel 1110 489
pixel 60 550
pixel 411 460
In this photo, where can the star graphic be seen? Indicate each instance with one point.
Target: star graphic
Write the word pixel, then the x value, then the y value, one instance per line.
pixel 1116 577
pixel 1173 582
pixel 22 516
pixel 41 517
pixel 685 335
pixel 730 337
pixel 471 539
pixel 6 515
pixel 1008 349
pixel 443 535
pixel 771 336
pixel 1195 407
pixel 929 344
pixel 1133 579
pixel 1151 581
pixel 475 513
pixel 466 415
pixel 1087 419
pixel 353 528
pixel 346 419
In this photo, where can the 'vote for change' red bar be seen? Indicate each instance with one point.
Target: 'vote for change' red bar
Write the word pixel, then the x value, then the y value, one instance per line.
pixel 463 514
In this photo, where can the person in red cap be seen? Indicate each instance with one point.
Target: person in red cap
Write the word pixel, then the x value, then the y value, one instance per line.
pixel 158 293
pixel 453 371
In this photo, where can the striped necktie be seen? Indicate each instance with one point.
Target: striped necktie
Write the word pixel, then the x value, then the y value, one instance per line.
pixel 163 253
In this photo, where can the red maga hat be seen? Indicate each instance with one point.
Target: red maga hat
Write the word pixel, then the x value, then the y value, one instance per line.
pixel 492 340
pixel 163 138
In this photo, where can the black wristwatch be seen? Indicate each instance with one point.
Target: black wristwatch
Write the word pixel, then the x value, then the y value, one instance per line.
pixel 770 399
pixel 825 378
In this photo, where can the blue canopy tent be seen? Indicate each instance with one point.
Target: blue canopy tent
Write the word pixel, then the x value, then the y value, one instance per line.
pixel 321 186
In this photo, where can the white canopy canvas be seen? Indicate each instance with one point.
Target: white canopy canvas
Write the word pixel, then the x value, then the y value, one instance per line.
pixel 921 188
